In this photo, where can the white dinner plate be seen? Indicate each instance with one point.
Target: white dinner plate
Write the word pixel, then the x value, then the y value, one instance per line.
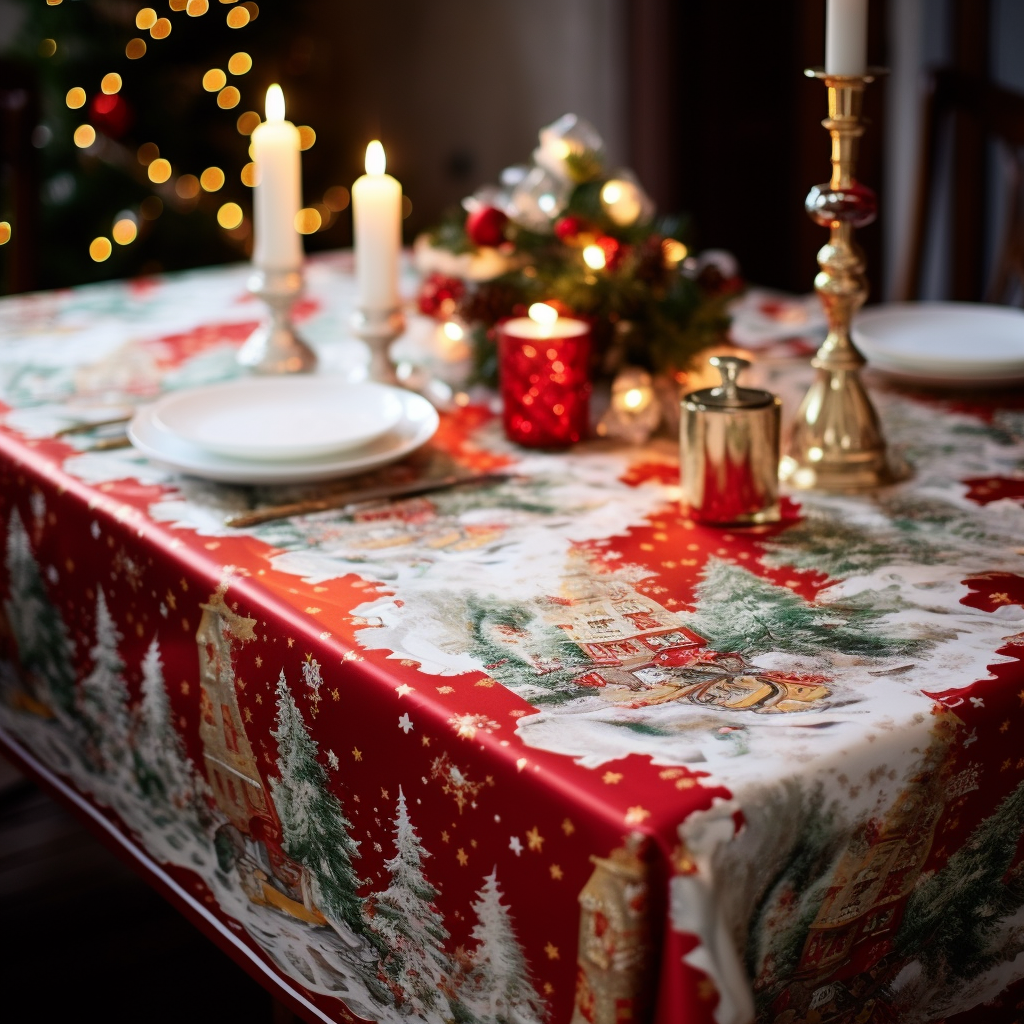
pixel 416 424
pixel 281 418
pixel 944 341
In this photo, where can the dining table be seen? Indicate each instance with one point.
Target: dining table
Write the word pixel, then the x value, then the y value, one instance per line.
pixel 537 749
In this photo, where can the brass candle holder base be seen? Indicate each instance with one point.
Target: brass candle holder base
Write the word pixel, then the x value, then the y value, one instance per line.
pixel 379 328
pixel 276 347
pixel 836 443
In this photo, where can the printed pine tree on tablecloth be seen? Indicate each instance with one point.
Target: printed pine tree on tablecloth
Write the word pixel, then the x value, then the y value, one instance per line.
pixel 498 988
pixel 44 646
pixel 952 916
pixel 315 830
pixel 740 612
pixel 103 698
pixel 161 764
pixel 410 926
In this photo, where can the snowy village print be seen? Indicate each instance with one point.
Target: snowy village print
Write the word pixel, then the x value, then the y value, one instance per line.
pixel 754 661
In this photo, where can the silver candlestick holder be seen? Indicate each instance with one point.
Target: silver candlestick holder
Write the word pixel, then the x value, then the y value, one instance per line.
pixel 275 347
pixel 379 328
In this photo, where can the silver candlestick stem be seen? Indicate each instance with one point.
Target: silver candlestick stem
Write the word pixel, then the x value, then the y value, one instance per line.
pixel 275 347
pixel 379 328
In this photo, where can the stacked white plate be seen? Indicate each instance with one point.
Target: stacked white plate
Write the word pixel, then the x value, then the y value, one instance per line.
pixel 278 430
pixel 962 343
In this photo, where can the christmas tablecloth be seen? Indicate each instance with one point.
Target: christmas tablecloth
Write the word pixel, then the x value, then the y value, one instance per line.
pixel 543 751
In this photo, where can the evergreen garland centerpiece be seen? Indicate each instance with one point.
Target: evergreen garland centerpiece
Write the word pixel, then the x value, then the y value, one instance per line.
pixel 567 231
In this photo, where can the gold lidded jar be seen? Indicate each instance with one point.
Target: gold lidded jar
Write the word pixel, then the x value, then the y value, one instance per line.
pixel 729 450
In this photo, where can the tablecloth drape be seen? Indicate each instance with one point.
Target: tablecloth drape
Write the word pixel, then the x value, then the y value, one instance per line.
pixel 543 750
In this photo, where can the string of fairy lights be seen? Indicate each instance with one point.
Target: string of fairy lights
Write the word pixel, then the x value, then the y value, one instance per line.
pixel 183 188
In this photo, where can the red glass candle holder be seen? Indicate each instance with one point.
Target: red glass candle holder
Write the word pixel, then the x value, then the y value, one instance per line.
pixel 544 373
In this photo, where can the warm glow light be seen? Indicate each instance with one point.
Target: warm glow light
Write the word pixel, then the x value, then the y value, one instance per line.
pixel 196 8
pixel 85 136
pixel 177 5
pixel 161 30
pixel 673 250
pixel 159 170
pixel 543 314
pixel 148 152
pixel 111 83
pixel 250 175
pixel 593 256
pixel 336 198
pixel 187 186
pixel 214 80
pixel 306 137
pixel 47 48
pixel 135 49
pixel 75 97
pixel 406 207
pixel 100 249
pixel 633 398
pixel 125 231
pixel 212 179
pixel 275 103
pixel 228 97
pixel 238 17
pixel 612 192
pixel 247 122
pixel 376 162
pixel 5 232
pixel 454 332
pixel 239 63
pixel 229 216
pixel 146 18
pixel 307 221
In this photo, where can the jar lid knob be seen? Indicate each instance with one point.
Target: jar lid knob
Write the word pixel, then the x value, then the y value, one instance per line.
pixel 730 367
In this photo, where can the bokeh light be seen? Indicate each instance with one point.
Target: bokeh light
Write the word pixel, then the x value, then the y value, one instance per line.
pixel 239 63
pixel 247 122
pixel 406 206
pixel 110 84
pixel 187 186
pixel 212 179
pixel 197 8
pixel 306 136
pixel 146 18
pixel 159 170
pixel 249 177
pixel 337 198
pixel 238 17
pixel 48 47
pixel 75 98
pixel 214 80
pixel 148 152
pixel 161 29
pixel 125 230
pixel 85 136
pixel 177 5
pixel 5 232
pixel 307 221
pixel 100 249
pixel 253 9
pixel 228 97
pixel 229 216
pixel 135 49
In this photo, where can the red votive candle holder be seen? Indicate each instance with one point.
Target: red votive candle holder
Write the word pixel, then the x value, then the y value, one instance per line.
pixel 544 371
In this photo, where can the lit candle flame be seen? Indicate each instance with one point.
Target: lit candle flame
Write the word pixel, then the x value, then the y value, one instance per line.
pixel 633 398
pixel 544 316
pixel 275 103
pixel 453 331
pixel 376 162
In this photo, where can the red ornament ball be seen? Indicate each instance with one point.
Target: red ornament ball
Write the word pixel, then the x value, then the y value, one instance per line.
pixel 111 114
pixel 439 295
pixel 486 226
pixel 568 228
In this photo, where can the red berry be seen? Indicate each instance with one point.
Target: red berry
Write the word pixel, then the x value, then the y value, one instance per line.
pixel 567 228
pixel 486 226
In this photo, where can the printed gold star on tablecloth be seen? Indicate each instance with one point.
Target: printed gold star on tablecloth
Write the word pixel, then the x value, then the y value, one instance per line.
pixel 568 827
pixel 637 815
pixel 357 754
pixel 556 873
pixel 462 857
pixel 335 695
pixel 611 778
pixel 404 689
pixel 259 661
pixel 551 951
pixel 535 839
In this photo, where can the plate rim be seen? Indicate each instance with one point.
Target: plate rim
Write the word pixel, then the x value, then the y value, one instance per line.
pixel 221 469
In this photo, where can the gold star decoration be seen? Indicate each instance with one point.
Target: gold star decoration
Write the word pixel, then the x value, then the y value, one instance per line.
pixel 1005 726
pixel 259 698
pixel 556 872
pixel 357 754
pixel 335 695
pixel 248 715
pixel 1000 598
pixel 485 682
pixel 425 741
pixel 636 815
pixel 259 661
pixel 404 690
pixel 445 837
pixel 462 857
pixel 384 794
pixel 171 600
pixel 552 951
pixel 548 988
pixel 291 642
pixel 568 827
pixel 184 584
pixel 611 778
pixel 184 688
pixel 240 683
pixel 535 839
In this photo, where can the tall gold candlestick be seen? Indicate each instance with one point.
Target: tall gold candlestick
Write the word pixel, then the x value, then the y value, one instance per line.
pixel 836 442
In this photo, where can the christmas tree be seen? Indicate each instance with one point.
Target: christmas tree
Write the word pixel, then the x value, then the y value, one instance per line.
pixel 44 647
pixel 740 612
pixel 953 916
pixel 103 700
pixel 161 764
pixel 410 925
pixel 498 988
pixel 315 830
